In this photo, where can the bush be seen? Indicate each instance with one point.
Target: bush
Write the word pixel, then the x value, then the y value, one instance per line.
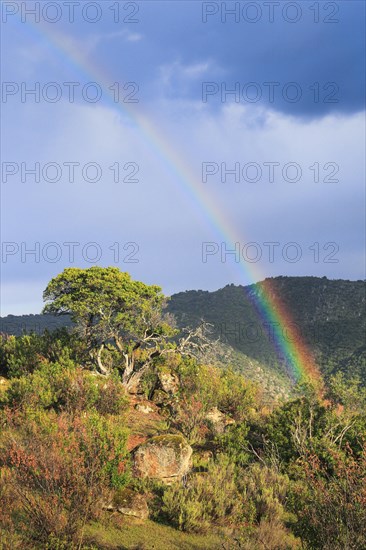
pixel 21 355
pixel 234 442
pixel 203 388
pixel 237 396
pixel 60 469
pixel 331 508
pixel 207 497
pixel 267 489
pixel 67 388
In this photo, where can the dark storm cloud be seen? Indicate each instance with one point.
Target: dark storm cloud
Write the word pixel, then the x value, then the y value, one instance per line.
pixel 331 54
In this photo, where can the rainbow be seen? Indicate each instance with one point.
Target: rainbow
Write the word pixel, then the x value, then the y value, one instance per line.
pixel 289 344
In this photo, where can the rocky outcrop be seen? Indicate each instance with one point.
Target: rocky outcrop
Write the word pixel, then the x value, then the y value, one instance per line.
pixel 218 421
pixel 129 503
pixel 168 382
pixel 160 398
pixel 164 457
pixel 144 408
pixel 166 389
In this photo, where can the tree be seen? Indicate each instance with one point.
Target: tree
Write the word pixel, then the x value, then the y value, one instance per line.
pixel 109 308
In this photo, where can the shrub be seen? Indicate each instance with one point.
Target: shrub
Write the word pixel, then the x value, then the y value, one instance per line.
pixel 267 489
pixel 203 388
pixel 234 442
pixel 67 388
pixel 331 508
pixel 208 497
pixel 237 395
pixel 20 355
pixel 61 467
pixel 190 419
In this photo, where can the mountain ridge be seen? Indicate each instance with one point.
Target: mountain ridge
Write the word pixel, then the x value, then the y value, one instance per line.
pixel 329 316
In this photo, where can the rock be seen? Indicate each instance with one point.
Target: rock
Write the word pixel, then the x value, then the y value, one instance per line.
pixel 134 441
pixel 168 382
pixel 144 408
pixel 164 457
pixel 218 420
pixel 129 503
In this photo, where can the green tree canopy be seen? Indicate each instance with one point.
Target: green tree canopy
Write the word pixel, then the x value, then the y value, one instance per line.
pixel 109 307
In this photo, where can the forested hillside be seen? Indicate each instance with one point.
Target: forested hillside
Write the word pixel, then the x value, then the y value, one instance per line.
pixel 329 315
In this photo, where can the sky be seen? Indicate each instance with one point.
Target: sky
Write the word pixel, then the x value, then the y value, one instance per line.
pixel 192 144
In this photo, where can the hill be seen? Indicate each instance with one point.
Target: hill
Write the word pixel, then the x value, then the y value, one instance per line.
pixel 329 315
pixel 117 437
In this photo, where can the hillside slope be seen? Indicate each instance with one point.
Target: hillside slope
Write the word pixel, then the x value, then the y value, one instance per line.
pixel 329 315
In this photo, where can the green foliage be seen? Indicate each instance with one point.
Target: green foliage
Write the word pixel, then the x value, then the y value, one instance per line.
pixel 65 387
pixel 234 442
pixel 108 306
pixel 225 389
pixel 348 392
pixel 306 425
pixel 229 495
pixel 21 355
pixel 110 297
pixel 297 424
pixel 110 439
pixel 237 396
pixel 267 489
pixel 203 388
pixel 207 497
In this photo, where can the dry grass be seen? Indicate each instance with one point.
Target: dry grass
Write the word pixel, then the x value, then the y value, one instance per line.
pixel 124 533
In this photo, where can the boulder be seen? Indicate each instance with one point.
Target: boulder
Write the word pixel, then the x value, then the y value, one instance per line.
pixel 165 457
pixel 218 420
pixel 129 503
pixel 144 408
pixel 168 382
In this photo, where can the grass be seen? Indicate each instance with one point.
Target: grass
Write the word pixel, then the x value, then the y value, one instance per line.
pixel 133 534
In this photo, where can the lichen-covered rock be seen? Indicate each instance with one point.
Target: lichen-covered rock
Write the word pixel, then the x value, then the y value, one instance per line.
pixel 144 408
pixel 164 457
pixel 218 420
pixel 168 382
pixel 129 503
